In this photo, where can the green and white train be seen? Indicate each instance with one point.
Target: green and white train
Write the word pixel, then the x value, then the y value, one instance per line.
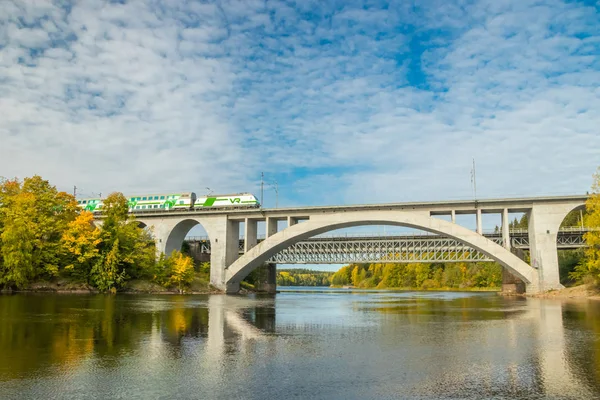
pixel 182 201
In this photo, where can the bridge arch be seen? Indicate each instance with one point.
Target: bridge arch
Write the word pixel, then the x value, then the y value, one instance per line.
pixel 177 235
pixel 318 224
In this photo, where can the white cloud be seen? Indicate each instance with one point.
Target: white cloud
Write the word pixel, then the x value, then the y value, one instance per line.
pixel 346 105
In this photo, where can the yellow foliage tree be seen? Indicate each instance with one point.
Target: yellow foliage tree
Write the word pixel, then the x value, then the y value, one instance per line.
pixel 590 265
pixel 356 276
pixel 33 217
pixel 182 270
pixel 81 240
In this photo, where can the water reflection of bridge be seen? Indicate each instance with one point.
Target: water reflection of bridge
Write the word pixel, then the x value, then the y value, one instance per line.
pixel 542 365
pixel 521 347
pixel 341 249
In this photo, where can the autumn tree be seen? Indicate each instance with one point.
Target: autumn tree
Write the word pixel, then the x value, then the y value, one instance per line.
pixel 182 272
pixel 590 265
pixel 33 218
pixel 82 242
pixel 126 250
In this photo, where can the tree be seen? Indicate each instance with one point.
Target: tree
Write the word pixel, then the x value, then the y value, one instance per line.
pixel 81 240
pixel 128 249
pixel 356 276
pixel 182 273
pixel 107 273
pixel 33 218
pixel 590 265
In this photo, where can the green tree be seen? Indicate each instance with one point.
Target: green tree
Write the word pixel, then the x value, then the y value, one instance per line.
pixel 107 274
pixel 126 250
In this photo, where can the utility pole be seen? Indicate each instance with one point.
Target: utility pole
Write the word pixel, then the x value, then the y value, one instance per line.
pixel 74 191
pixel 262 187
pixel 474 180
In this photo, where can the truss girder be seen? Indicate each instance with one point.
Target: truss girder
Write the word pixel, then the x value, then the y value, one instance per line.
pixel 399 249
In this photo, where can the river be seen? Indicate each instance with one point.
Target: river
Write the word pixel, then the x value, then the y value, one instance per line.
pixel 313 343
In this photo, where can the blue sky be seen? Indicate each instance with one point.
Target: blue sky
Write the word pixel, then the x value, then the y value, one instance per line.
pixel 338 101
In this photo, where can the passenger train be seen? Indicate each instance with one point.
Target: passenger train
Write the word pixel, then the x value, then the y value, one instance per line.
pixel 181 201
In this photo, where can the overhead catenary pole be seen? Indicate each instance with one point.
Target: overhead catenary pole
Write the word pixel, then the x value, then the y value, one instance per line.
pixel 74 191
pixel 474 181
pixel 276 187
pixel 262 186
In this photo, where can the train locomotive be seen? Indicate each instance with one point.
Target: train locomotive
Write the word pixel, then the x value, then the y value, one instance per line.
pixel 174 202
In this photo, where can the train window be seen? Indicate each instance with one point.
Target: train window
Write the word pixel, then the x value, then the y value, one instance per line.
pixel 137 207
pixel 162 197
pixel 143 198
pixel 180 201
pixel 155 197
pixel 84 201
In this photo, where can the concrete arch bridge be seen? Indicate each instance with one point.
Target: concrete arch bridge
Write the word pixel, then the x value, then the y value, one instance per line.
pixel 229 268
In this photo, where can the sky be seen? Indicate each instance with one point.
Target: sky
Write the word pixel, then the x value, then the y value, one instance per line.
pixel 339 102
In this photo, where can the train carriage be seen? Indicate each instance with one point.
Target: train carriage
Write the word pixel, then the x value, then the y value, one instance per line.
pixel 227 200
pixel 162 201
pixel 174 201
pixel 92 205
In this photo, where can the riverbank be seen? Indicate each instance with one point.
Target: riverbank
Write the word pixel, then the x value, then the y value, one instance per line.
pixel 62 286
pixel 412 289
pixel 588 291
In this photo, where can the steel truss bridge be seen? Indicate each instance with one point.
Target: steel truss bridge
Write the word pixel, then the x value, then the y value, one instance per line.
pixel 394 249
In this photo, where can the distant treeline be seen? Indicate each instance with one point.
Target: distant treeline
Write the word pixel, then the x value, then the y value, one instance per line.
pixel 481 275
pixel 303 277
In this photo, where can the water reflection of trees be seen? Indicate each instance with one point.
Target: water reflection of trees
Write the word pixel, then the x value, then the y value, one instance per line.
pixel 50 332
pixel 584 360
pixel 468 308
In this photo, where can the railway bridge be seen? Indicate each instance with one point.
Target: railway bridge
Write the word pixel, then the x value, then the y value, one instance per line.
pixel 228 267
pixel 378 248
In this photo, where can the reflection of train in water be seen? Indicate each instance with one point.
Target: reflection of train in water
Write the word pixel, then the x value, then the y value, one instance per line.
pixel 182 202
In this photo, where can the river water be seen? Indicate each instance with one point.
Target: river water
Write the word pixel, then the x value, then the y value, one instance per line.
pixel 322 344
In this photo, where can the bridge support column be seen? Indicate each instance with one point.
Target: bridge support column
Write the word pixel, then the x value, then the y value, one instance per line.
pixel 505 230
pixel 544 223
pixel 478 221
pixel 271 227
pixel 291 221
pixel 225 240
pixel 268 282
pixel 453 216
pixel 250 234
pixel 511 284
